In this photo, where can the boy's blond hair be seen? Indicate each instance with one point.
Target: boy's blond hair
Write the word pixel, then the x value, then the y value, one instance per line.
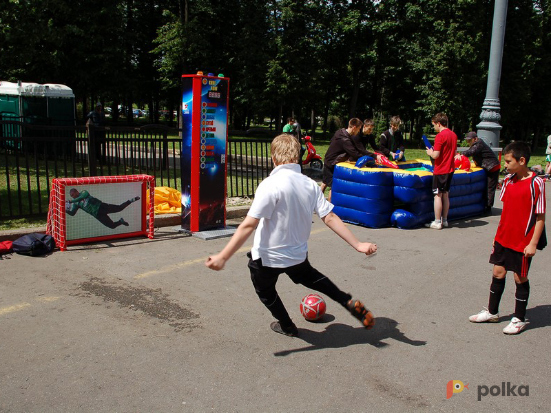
pixel 285 149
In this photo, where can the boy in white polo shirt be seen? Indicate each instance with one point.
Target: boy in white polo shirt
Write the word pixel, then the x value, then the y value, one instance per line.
pixel 282 210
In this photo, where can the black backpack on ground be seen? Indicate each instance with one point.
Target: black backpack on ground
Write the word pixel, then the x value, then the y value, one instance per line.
pixel 34 244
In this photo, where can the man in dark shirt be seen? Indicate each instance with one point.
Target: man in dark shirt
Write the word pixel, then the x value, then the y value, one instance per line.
pixel 342 148
pixel 97 116
pixel 97 119
pixel 484 157
pixel 366 138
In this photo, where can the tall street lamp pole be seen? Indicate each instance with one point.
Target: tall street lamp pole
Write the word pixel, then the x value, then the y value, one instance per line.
pixel 489 128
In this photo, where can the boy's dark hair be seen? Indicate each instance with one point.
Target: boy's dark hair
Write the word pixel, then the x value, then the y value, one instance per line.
pixel 290 119
pixel 441 118
pixel 355 123
pixel 369 122
pixel 518 150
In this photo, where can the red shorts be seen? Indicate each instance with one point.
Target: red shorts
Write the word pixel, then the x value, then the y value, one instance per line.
pixel 510 259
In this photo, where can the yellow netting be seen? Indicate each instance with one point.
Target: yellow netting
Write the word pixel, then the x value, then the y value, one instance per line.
pixel 167 200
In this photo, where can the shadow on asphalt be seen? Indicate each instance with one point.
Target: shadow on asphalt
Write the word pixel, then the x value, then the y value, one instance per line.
pixel 470 223
pixel 339 335
pixel 539 316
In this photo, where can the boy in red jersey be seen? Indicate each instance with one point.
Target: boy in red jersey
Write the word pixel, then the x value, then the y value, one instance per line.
pixel 443 152
pixel 519 233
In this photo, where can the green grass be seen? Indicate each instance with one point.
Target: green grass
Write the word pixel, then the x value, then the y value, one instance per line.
pixel 22 223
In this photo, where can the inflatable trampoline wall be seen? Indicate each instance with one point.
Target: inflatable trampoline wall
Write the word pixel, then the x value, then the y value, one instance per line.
pixel 381 197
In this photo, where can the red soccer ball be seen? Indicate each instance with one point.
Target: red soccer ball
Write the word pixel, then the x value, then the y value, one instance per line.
pixel 312 307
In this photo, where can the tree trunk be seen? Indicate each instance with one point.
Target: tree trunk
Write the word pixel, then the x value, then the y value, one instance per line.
pixel 326 114
pixel 418 132
pixel 115 110
pixel 84 108
pixel 129 114
pixel 355 93
pixel 171 114
pixel 155 110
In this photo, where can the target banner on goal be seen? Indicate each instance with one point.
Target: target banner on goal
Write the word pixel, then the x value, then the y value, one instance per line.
pixel 100 208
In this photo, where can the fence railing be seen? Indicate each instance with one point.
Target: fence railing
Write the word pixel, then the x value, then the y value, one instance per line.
pixel 32 155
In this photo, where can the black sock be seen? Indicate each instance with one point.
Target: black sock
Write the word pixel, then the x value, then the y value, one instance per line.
pixel 325 286
pixel 521 300
pixel 496 291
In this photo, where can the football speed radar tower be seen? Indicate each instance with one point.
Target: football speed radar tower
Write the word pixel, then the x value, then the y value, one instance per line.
pixel 203 159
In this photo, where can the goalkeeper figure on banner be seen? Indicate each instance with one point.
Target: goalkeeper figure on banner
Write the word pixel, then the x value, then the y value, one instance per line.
pixel 98 209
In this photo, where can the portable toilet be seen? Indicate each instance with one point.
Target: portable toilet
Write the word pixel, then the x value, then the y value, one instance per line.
pixel 48 104
pixel 10 109
pixel 34 103
pixel 9 101
pixel 61 104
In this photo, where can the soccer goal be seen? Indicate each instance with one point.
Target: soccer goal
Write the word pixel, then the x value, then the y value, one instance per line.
pixel 99 208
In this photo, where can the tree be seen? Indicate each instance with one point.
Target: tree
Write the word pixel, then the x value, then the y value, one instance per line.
pixel 338 58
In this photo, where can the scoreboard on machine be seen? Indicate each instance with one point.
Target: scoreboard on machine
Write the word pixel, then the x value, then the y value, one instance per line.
pixel 203 158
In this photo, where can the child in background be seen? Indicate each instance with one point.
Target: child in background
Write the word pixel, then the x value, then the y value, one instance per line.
pixel 443 151
pixel 391 142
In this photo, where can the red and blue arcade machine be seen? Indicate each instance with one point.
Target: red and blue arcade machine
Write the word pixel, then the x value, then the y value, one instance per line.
pixel 203 159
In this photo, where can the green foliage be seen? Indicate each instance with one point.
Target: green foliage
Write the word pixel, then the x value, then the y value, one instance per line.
pixel 314 59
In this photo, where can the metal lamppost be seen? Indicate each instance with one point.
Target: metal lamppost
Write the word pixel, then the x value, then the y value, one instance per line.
pixel 489 127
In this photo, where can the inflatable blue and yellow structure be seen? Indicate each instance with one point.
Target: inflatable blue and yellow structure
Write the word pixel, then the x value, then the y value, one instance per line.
pixel 379 197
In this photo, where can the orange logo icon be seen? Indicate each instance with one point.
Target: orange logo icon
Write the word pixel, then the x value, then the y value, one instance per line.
pixel 455 386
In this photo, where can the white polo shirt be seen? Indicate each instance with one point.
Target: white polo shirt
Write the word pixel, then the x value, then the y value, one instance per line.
pixel 284 202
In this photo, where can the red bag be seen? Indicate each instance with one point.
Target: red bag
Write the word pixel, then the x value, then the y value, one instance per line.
pixel 5 247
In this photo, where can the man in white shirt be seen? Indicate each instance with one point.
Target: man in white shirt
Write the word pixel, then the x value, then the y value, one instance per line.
pixel 281 213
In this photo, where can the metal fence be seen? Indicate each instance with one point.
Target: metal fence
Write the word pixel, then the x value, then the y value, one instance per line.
pixel 32 155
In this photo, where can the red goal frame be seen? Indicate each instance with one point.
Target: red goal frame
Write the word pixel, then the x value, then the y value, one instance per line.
pixel 57 226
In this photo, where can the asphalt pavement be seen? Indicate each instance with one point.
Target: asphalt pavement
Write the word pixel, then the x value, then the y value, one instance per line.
pixel 140 325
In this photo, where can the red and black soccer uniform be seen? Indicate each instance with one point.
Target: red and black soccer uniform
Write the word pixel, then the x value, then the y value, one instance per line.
pixel 523 200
